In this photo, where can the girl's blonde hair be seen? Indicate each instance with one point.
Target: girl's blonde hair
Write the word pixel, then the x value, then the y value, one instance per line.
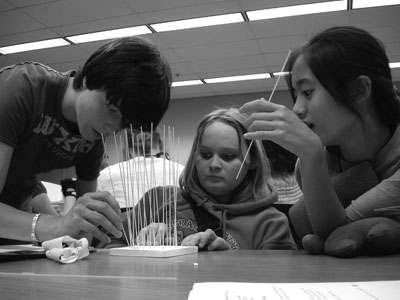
pixel 255 185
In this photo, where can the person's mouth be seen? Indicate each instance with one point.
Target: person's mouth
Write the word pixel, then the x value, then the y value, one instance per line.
pixel 309 125
pixel 214 178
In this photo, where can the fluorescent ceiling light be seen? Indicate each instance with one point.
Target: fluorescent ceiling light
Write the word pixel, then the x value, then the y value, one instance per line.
pixel 238 78
pixel 297 10
pixel 277 74
pixel 373 3
pixel 394 65
pixel 198 22
pixel 186 83
pixel 34 46
pixel 109 34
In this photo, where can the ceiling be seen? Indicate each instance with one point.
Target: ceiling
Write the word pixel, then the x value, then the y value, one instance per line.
pixel 215 51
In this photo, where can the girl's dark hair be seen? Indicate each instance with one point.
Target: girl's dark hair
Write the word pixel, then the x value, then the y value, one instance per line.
pixel 135 77
pixel 339 55
pixel 282 161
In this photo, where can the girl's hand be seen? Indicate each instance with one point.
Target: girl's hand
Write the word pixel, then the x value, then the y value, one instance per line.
pixel 154 234
pixel 270 121
pixel 89 213
pixel 207 240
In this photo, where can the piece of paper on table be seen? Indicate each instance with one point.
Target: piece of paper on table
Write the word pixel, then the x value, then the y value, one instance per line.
pixel 366 290
pixel 66 250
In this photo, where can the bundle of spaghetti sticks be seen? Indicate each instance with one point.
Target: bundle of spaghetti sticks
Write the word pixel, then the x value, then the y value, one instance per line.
pixel 141 171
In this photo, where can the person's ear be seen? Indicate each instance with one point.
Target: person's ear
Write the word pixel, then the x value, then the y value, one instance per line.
pixel 362 87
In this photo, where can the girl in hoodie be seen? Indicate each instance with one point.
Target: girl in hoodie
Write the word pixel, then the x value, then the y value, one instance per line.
pixel 214 209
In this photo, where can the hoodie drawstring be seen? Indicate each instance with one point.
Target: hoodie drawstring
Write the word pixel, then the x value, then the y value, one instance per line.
pixel 223 222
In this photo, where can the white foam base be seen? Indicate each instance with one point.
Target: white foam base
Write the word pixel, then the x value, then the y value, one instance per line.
pixel 153 251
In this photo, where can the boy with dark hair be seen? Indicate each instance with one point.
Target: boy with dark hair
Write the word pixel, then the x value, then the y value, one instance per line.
pixel 52 120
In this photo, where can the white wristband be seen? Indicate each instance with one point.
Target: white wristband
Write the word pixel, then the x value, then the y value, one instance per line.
pixel 33 232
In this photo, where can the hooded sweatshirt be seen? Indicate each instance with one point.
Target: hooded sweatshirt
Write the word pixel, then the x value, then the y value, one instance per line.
pixel 253 224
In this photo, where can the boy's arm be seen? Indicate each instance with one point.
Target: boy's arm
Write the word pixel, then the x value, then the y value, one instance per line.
pixel 13 223
pixel 41 204
pixel 91 211
pixel 6 152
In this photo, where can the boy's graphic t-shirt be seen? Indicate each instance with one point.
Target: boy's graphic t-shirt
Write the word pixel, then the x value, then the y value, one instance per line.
pixel 31 121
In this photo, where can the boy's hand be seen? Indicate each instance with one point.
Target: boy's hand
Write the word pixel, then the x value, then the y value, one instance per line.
pixel 206 240
pixel 89 213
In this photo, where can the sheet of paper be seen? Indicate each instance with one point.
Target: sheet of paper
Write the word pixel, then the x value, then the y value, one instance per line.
pixel 368 290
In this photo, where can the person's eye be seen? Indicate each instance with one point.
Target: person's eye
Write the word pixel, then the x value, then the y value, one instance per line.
pixel 307 93
pixel 228 157
pixel 112 109
pixel 205 155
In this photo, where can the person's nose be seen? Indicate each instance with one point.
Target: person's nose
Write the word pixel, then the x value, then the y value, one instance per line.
pixel 215 163
pixel 300 109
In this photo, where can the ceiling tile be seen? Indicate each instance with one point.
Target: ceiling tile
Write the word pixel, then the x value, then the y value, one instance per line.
pixel 202 90
pixel 172 56
pixel 14 21
pixel 237 63
pixel 375 17
pixel 51 55
pixel 303 25
pixel 76 11
pixel 4 5
pixel 396 75
pixel 387 34
pixel 23 3
pixel 208 8
pixel 219 50
pixel 66 66
pixel 281 44
pixel 180 70
pixel 99 25
pixel 275 60
pixel 157 5
pixel 6 60
pixel 262 4
pixel 208 35
pixel 393 50
pixel 25 37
